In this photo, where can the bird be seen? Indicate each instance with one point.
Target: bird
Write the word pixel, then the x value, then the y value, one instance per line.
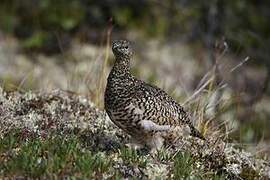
pixel 142 110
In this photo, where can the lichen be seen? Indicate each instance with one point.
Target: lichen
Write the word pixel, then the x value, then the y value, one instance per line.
pixel 59 112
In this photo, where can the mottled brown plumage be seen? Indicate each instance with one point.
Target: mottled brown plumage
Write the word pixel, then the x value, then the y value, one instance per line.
pixel 140 109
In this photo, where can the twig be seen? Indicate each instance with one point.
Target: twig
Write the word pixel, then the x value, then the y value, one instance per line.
pixel 221 84
pixel 198 91
pixel 240 64
pixel 102 75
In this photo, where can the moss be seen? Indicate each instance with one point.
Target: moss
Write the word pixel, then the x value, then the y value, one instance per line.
pixel 249 173
pixel 59 134
pixel 183 165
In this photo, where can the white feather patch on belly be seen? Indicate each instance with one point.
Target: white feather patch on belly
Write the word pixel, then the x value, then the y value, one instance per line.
pixel 150 125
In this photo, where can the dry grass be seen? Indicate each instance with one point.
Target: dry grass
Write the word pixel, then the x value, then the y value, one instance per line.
pixel 102 76
pixel 207 102
pixel 72 113
pixel 60 134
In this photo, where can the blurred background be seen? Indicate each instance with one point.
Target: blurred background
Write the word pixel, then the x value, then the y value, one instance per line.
pixel 213 56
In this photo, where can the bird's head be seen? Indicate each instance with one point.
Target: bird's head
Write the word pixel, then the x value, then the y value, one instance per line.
pixel 122 49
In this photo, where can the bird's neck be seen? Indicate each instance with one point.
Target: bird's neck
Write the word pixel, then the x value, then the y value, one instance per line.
pixel 121 66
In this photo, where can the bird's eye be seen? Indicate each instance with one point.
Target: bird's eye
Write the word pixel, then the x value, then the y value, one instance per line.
pixel 126 47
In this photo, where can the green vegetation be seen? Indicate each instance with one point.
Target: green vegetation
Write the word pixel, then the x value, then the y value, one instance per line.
pixel 183 166
pixel 62 135
pixel 60 156
pixel 132 157
pixel 55 156
pixel 244 24
pixel 56 135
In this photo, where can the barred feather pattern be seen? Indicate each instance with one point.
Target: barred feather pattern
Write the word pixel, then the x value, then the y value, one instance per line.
pixel 139 108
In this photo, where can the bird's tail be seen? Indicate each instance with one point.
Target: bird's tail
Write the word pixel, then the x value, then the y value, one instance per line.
pixel 196 133
pixel 193 131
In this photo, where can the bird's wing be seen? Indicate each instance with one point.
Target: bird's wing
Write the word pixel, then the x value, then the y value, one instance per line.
pixel 158 111
pixel 157 106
